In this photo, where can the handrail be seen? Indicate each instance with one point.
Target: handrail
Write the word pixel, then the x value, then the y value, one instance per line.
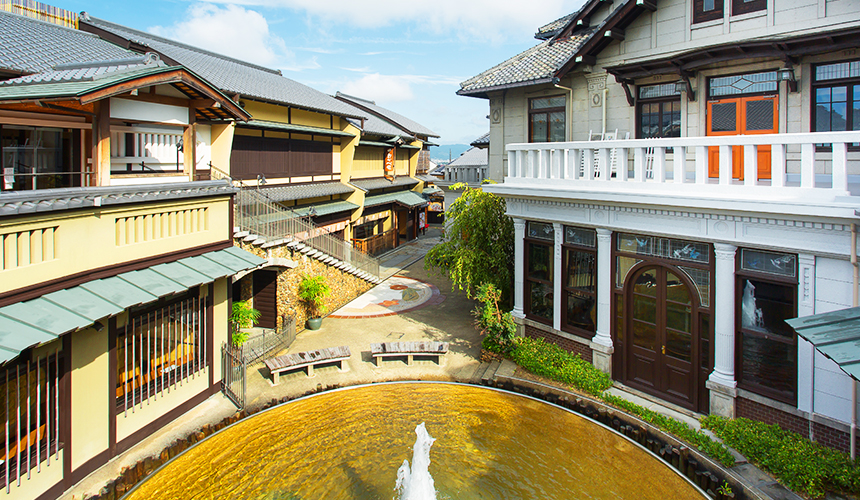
pixel 259 214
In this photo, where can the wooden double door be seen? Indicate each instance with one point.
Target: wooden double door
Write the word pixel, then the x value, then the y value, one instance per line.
pixel 742 116
pixel 662 338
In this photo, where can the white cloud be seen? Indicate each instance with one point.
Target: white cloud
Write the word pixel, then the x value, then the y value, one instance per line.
pixel 495 20
pixel 378 87
pixel 214 28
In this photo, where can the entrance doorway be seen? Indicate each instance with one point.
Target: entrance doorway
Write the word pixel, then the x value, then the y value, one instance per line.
pixel 265 298
pixel 742 116
pixel 663 347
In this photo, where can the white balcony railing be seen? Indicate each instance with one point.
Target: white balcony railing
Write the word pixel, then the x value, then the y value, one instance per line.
pixel 468 174
pixel 805 163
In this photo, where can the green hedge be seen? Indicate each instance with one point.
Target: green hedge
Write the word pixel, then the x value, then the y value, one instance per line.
pixel 553 362
pixel 798 463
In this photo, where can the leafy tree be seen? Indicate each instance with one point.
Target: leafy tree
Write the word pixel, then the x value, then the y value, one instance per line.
pixel 497 327
pixel 478 244
pixel 242 316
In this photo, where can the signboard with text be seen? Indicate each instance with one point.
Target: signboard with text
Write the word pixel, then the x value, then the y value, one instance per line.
pixel 389 164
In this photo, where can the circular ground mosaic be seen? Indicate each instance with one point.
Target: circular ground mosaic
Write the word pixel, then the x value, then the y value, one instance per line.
pixel 395 295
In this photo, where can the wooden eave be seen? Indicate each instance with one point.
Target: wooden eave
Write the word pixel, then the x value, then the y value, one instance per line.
pixel 617 21
pixel 65 107
pixel 581 18
pixel 789 51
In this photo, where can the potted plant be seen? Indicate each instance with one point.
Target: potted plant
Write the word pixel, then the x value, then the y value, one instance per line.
pixel 242 316
pixel 312 290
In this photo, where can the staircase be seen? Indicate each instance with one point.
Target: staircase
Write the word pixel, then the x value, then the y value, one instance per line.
pixel 265 223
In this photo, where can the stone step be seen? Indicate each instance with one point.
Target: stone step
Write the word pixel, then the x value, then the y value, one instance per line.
pixel 240 234
pixel 250 238
pixel 259 242
pixel 479 373
pixel 490 374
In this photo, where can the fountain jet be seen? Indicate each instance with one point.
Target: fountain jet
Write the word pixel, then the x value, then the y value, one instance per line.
pixel 417 483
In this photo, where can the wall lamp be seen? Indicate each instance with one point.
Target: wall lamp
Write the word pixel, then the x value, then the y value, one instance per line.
pixel 686 86
pixel 787 75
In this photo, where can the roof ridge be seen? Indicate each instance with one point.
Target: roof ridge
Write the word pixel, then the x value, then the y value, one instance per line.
pixel 85 17
pixel 352 97
pixel 148 58
pixel 45 23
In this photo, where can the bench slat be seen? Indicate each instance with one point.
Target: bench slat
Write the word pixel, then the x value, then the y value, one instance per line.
pixel 409 347
pixel 302 359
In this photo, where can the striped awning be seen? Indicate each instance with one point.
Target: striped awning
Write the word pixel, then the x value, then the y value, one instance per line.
pixel 40 320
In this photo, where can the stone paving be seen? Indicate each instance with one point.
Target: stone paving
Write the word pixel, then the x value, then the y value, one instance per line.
pixel 431 312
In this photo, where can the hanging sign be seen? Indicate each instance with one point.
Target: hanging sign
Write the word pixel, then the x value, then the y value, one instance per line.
pixel 389 164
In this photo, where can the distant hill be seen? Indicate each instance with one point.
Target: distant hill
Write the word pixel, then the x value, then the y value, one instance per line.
pixel 441 153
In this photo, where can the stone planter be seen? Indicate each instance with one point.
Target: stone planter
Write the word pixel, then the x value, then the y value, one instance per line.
pixel 314 324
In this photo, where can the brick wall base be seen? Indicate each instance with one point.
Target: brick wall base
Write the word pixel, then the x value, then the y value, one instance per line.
pixel 823 434
pixel 566 344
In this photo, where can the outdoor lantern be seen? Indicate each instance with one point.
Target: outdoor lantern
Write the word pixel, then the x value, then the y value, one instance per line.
pixel 680 86
pixel 787 75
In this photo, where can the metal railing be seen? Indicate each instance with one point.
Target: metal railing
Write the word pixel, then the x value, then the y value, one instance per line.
pixel 234 370
pixel 265 341
pixel 260 215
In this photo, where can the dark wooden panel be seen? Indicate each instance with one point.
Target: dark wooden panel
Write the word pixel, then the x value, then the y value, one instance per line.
pixel 276 157
pixel 266 298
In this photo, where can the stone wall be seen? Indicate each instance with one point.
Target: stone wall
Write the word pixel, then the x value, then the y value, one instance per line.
pixel 344 286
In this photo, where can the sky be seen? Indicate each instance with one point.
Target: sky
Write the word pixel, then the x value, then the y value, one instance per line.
pixel 409 57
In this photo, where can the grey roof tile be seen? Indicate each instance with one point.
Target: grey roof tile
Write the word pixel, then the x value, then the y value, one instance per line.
pixel 232 75
pixel 377 126
pixel 382 183
pixel 396 119
pixel 46 200
pixel 31 46
pixel 90 72
pixel 484 140
pixel 472 157
pixel 535 65
pixel 548 31
pixel 305 191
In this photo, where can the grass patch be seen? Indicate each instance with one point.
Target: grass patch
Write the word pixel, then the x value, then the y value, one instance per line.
pixel 798 463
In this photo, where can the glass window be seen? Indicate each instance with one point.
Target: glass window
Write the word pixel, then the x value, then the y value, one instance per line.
pixel 766 344
pixel 546 119
pixel 39 158
pixel 541 231
pixel 158 349
pixel 745 6
pixel 769 262
pixel 707 10
pixel 540 261
pixel 836 97
pixel 753 83
pixel 580 237
pixel 580 291
pixel 664 247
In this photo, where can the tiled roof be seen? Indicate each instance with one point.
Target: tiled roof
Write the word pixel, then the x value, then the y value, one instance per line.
pixel 31 46
pixel 484 140
pixel 306 191
pixel 382 183
pixel 57 86
pixel 231 75
pixel 292 127
pixel 327 208
pixel 86 72
pixel 550 30
pixel 410 199
pixel 536 65
pixel 472 157
pixel 46 200
pixel 426 178
pixel 401 121
pixel 375 125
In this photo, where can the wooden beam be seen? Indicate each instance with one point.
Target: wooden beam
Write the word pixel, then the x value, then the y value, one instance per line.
pixel 615 34
pixel 647 4
pixel 625 84
pixel 189 145
pixel 101 143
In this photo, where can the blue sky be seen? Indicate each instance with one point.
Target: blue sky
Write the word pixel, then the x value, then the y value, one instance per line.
pixel 407 56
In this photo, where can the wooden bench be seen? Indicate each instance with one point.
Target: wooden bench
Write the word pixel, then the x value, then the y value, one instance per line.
pixel 408 349
pixel 307 360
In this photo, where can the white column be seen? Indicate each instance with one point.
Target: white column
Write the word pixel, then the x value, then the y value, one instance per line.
pixel 603 336
pixel 721 383
pixel 805 351
pixel 519 256
pixel 724 316
pixel 557 302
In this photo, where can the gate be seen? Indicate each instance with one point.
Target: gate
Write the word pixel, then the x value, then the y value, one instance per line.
pixel 234 367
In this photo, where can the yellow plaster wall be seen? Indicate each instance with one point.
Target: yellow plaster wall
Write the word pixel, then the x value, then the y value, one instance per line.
pixel 39 482
pixel 90 394
pixel 311 119
pixel 347 149
pixel 402 163
pixel 51 245
pixel 368 162
pixel 222 146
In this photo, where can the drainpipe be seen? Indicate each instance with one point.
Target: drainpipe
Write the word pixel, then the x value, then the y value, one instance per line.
pixel 855 303
pixel 555 82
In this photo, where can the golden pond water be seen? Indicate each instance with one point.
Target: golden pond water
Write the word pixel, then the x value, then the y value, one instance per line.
pixel 348 445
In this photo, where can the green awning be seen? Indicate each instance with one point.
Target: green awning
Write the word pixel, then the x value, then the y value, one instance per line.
pixel 40 320
pixel 836 335
pixel 299 129
pixel 409 199
pixel 328 208
pixel 432 190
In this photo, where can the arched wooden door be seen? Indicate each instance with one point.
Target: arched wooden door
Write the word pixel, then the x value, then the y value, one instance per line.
pixel 663 338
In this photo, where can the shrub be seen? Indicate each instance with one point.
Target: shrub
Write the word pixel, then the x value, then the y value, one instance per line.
pixel 797 462
pixel 312 290
pixel 498 328
pixel 553 362
pixel 242 315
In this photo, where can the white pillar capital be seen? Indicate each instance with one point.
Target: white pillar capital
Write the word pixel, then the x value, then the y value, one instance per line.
pixel 723 251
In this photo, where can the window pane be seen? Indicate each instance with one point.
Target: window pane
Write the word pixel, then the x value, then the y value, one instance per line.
pixel 580 236
pixel 822 117
pixel 743 84
pixel 702 279
pixel 837 71
pixel 581 311
pixel 765 307
pixel 540 262
pixel 664 247
pixel 760 115
pixel 541 230
pixel 679 317
pixel 724 117
pixel 769 262
pixel 769 363
pixel 645 309
pixel 539 127
pixel 619 316
pixel 705 340
pixel 676 290
pixel 646 283
pixel 580 271
pixel 855 119
pixel 548 102
pixel 652 91
pixel 556 130
pixel 541 300
pixel 679 345
pixel 622 268
pixel 644 335
pixel 838 116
